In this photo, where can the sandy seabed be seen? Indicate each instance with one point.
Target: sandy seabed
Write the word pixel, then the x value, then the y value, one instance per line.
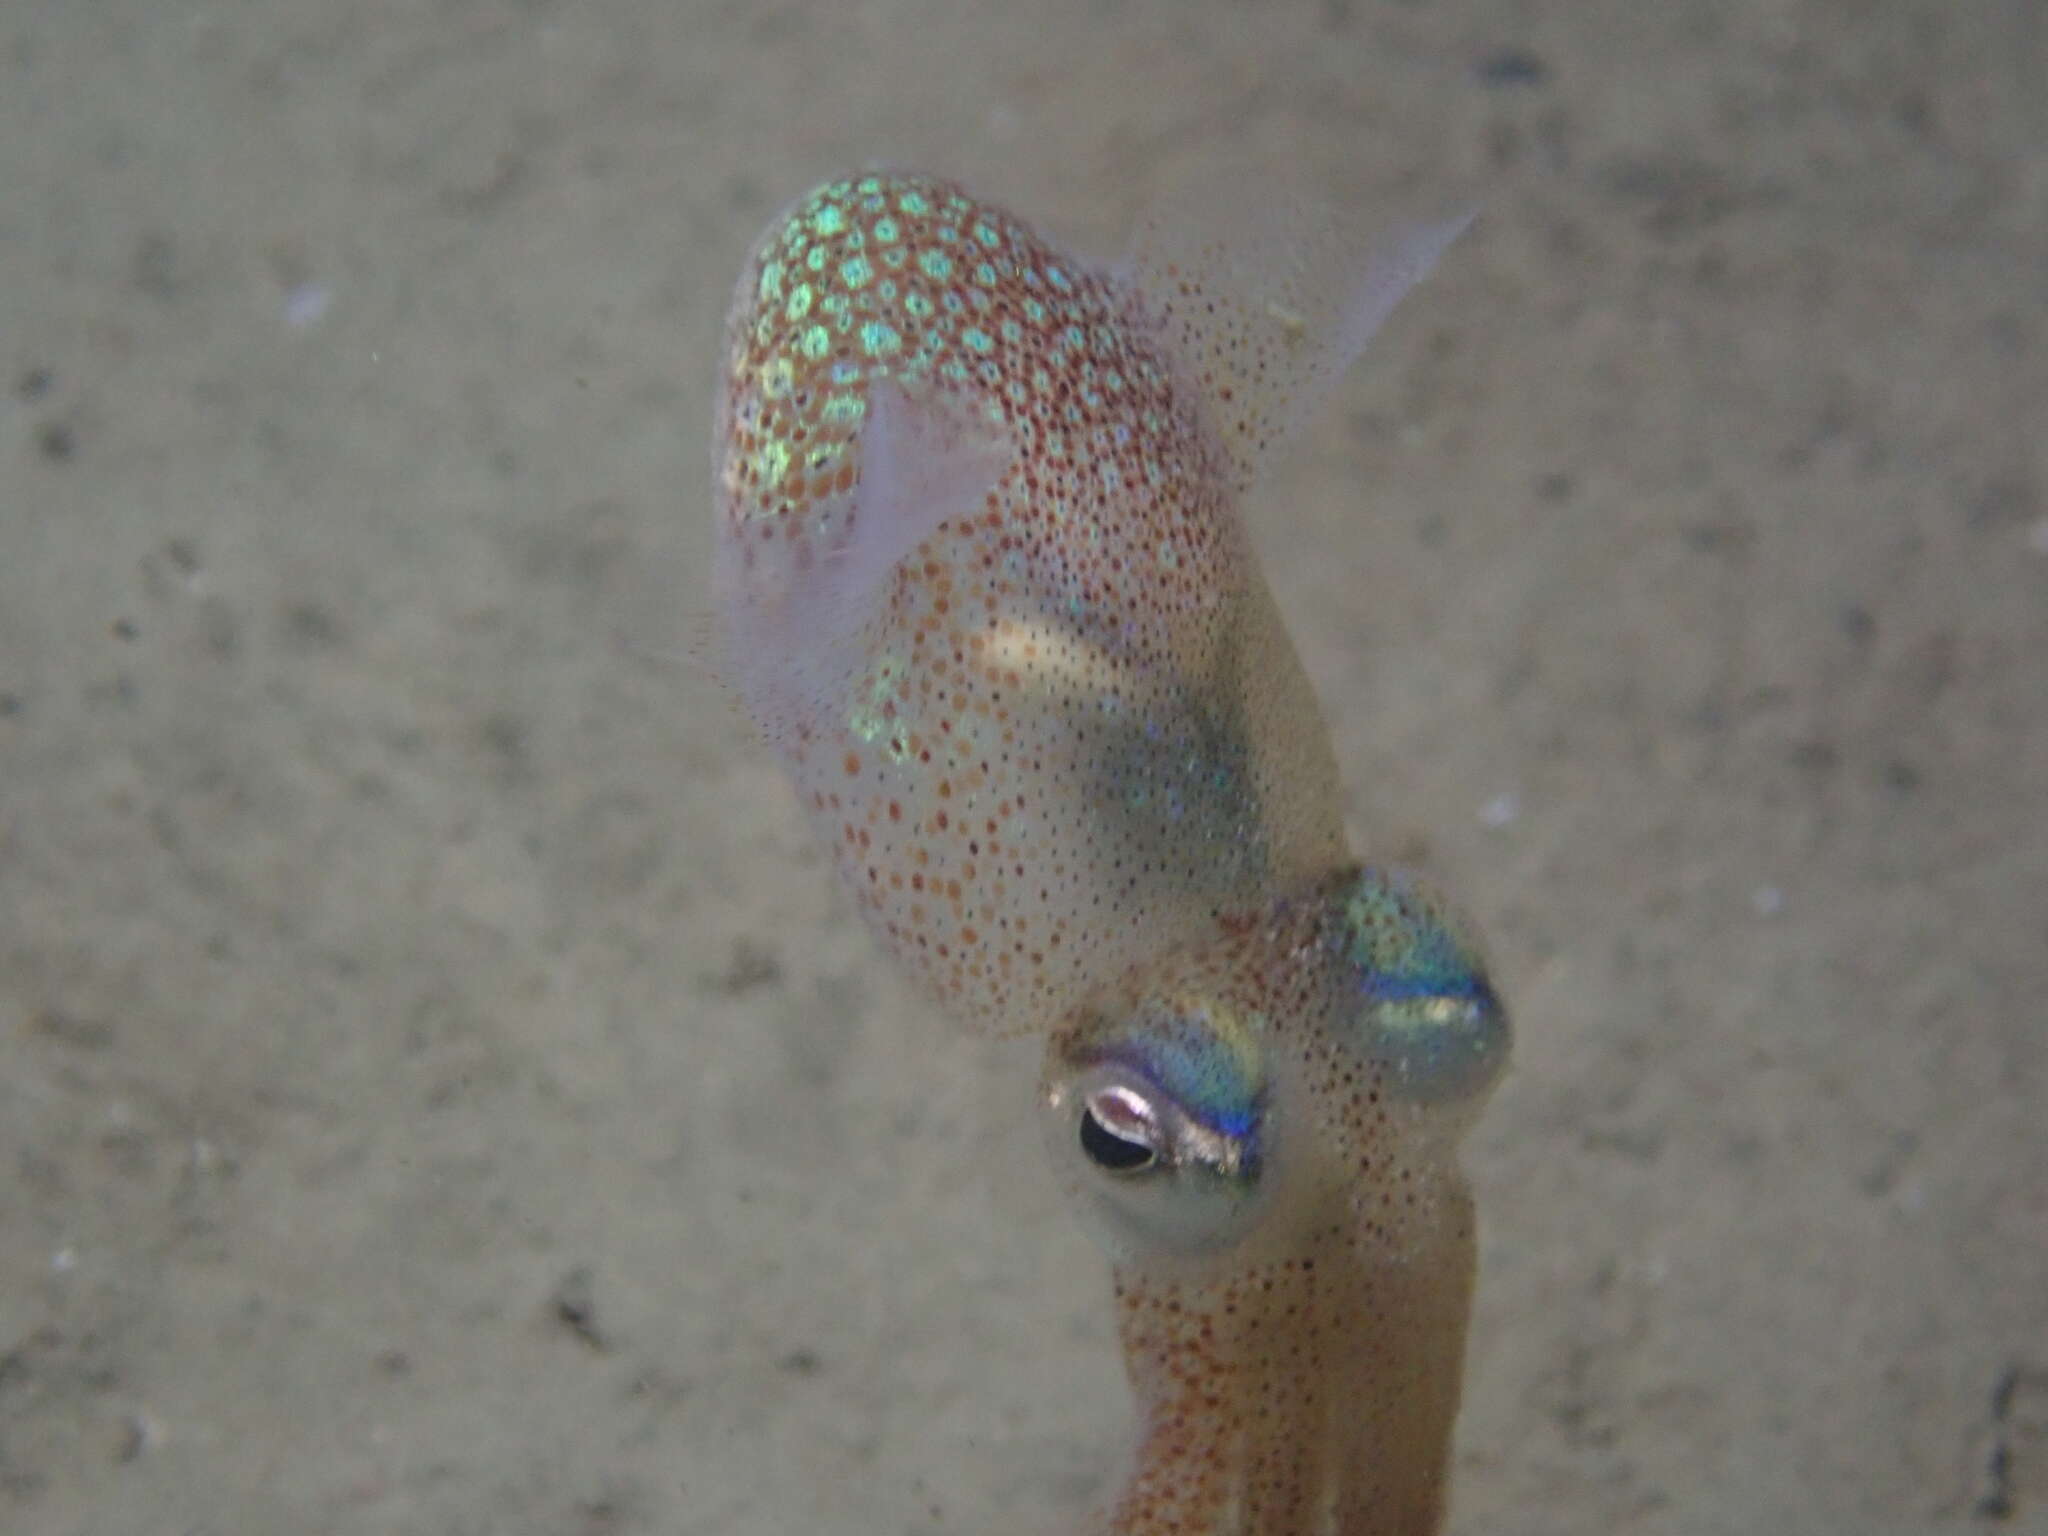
pixel 441 1090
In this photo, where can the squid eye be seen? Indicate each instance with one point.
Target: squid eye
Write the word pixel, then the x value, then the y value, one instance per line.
pixel 1155 1116
pixel 1427 1015
pixel 1117 1133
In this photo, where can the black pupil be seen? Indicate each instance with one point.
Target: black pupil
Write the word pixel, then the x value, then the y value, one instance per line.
pixel 1110 1150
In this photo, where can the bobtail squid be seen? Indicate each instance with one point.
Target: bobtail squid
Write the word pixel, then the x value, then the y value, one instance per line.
pixel 987 591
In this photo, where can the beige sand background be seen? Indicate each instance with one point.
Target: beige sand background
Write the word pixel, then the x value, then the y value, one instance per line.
pixel 440 1090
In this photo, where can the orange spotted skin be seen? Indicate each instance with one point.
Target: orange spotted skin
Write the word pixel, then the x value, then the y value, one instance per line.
pixel 1309 1394
pixel 1071 727
pixel 989 597
pixel 1305 1379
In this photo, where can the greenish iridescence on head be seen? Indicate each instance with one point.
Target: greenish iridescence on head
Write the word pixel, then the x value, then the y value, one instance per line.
pixel 1426 1008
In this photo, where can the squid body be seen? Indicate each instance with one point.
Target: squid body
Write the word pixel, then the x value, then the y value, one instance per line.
pixel 987 592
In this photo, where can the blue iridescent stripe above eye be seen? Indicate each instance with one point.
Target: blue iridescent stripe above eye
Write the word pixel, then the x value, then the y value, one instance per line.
pixel 1203 1058
pixel 1445 981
